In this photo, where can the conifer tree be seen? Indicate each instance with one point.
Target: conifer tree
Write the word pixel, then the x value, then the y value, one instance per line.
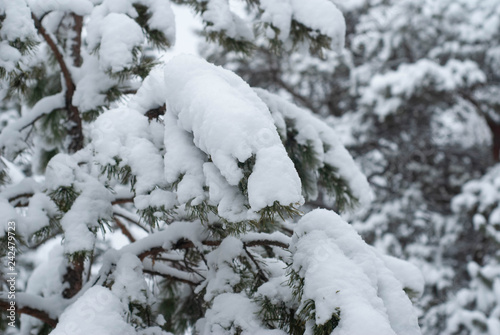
pixel 204 176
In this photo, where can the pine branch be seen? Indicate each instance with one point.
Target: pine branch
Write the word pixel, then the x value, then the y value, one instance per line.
pixel 75 131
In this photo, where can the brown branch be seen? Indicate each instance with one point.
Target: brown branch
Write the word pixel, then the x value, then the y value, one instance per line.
pixel 20 196
pixel 75 121
pixel 131 221
pixel 74 277
pixel 77 40
pixel 124 230
pixel 156 112
pixel 41 315
pixel 122 201
pixel 261 272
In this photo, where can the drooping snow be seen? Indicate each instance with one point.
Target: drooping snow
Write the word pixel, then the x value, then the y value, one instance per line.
pixel 221 19
pixel 320 15
pixel 230 124
pixel 125 134
pixel 311 129
pixel 341 271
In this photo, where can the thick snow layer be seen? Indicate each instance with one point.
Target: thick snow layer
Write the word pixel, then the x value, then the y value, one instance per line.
pixel 408 274
pixel 91 83
pixel 63 171
pixel 241 314
pixel 230 124
pixel 151 93
pixel 311 129
pixel 79 7
pixel 320 15
pixel 341 271
pixel 221 277
pixel 97 311
pixel 116 35
pixel 129 283
pixel 126 134
pixel 17 23
pixel 221 19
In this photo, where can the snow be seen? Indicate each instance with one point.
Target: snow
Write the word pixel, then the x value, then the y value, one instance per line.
pixel 90 84
pixel 221 19
pixel 341 271
pixel 79 7
pixel 116 35
pixel 221 277
pixel 310 128
pixel 220 319
pixel 125 134
pixel 320 15
pixel 17 23
pixel 97 311
pixel 162 18
pixel 230 124
pixel 129 283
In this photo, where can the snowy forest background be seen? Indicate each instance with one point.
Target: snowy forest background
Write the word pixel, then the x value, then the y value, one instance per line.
pixel 155 194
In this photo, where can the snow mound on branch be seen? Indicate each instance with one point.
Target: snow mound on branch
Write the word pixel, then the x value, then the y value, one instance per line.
pixel 320 15
pixel 230 124
pixel 126 134
pixel 241 315
pixel 341 271
pixel 97 311
pixel 220 18
pixel 79 7
pixel 112 30
pixel 311 129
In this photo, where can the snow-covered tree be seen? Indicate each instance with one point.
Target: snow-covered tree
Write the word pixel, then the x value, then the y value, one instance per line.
pixel 203 175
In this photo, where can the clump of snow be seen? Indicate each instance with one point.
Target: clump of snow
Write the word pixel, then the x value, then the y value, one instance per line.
pixel 116 35
pixel 341 271
pixel 220 18
pixel 79 223
pixel 327 147
pixel 17 23
pixel 97 311
pixel 320 15
pixel 230 124
pixel 129 283
pixel 221 276
pixel 125 134
pixel 241 315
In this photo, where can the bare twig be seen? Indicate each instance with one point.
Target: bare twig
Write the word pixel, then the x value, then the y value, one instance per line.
pixel 124 230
